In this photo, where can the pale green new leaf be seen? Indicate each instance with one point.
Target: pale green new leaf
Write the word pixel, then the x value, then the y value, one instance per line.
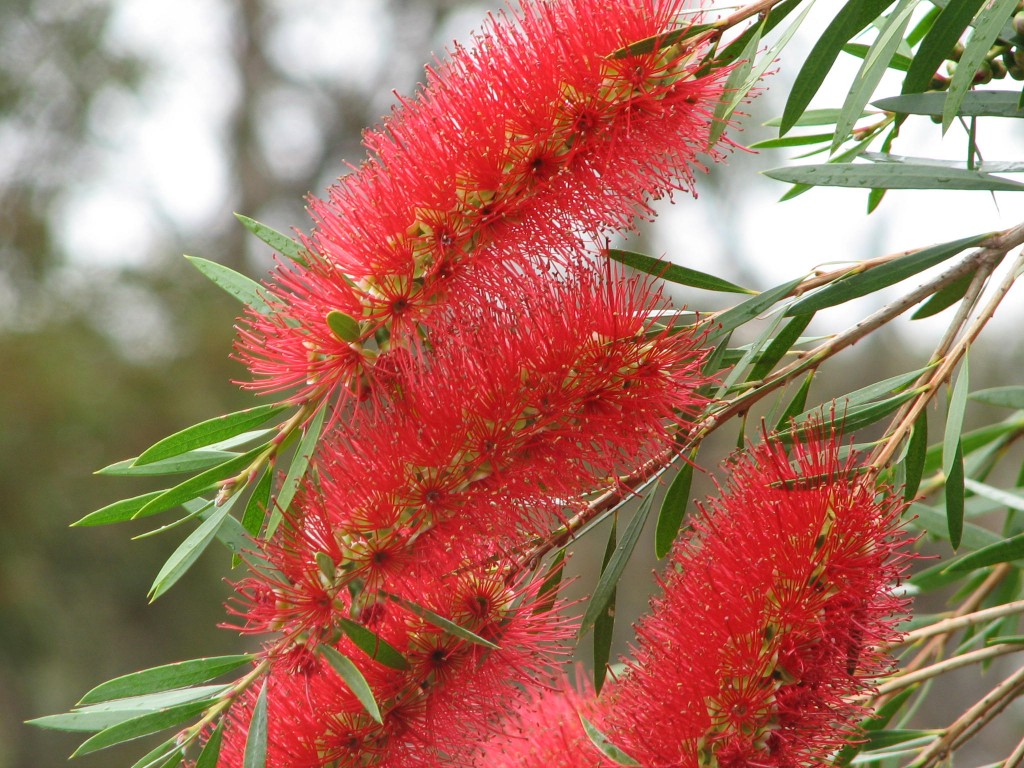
pixel 281 243
pixel 243 288
pixel 354 679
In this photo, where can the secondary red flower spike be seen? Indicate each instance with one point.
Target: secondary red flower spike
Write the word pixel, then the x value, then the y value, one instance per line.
pixel 772 618
pixel 538 138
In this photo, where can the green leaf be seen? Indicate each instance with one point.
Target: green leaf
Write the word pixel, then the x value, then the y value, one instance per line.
pixel 345 327
pixel 1003 552
pixel 119 511
pixel 955 497
pixel 610 575
pixel 854 17
pixel 604 624
pixel 746 311
pixel 98 717
pixel 354 679
pixel 606 748
pixel 210 755
pixel 549 589
pixel 243 288
pixel 866 176
pixel 282 244
pixel 199 484
pixel 899 62
pixel 793 141
pixel 974 104
pixel 188 462
pixel 1005 397
pixel 166 755
pixel 850 419
pixel 256 740
pixel 673 508
pixel 780 345
pixel 674 273
pixel 917 450
pixel 141 726
pixel 986 29
pixel 256 507
pixel 955 417
pixel 796 405
pixel 208 432
pixel 873 69
pixel 869 281
pixel 441 622
pixel 189 551
pixel 944 298
pixel 376 647
pixel 891 737
pixel 998 495
pixel 164 678
pixel 938 44
pixel 297 469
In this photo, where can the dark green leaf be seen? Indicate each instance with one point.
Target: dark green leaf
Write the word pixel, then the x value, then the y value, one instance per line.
pixel 164 756
pixel 851 419
pixel 865 176
pixel 746 311
pixel 955 417
pixel 917 450
pixel 345 327
pixel 119 511
pixel 604 624
pixel 793 141
pixel 851 19
pixel 1003 552
pixel 975 104
pixel 1005 640
pixel 674 273
pixel 189 551
pixel 256 507
pixel 863 283
pixel 354 679
pixel 796 405
pixel 987 26
pixel 549 589
pixel 141 726
pixel 938 44
pixel 780 345
pixel 256 740
pixel 188 462
pixel 610 575
pixel 955 497
pixel 878 721
pixel 297 469
pixel 97 717
pixel 673 508
pixel 944 298
pixel 282 244
pixel 208 432
pixel 771 20
pixel 164 678
pixel 1005 397
pixel 441 622
pixel 898 61
pixel 607 749
pixel 243 288
pixel 376 647
pixel 210 755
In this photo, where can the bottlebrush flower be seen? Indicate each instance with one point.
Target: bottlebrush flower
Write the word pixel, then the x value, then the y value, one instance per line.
pixel 771 621
pixel 525 146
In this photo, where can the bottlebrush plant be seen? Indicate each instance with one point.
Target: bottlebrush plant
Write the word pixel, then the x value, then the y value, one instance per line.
pixel 460 378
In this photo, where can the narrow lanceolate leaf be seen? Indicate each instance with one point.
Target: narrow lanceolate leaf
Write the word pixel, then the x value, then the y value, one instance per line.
pixel 607 749
pixel 746 311
pixel 938 44
pixel 1003 552
pixel 886 274
pixel 256 507
pixel 917 451
pixel 256 741
pixel 281 243
pixel 166 755
pixel 441 622
pixel 674 273
pixel 164 678
pixel 974 104
pixel 780 345
pixel 208 432
pixel 610 575
pixel 98 717
pixel 998 495
pixel 604 624
pixel 119 511
pixel 955 417
pixel 376 647
pixel 796 405
pixel 297 470
pixel 673 508
pixel 944 298
pixel 903 176
pixel 210 755
pixel 193 461
pixel 243 288
pixel 987 26
pixel 189 551
pixel 141 726
pixel 955 496
pixel 549 588
pixel 851 19
pixel 873 68
pixel 1005 397
pixel 353 679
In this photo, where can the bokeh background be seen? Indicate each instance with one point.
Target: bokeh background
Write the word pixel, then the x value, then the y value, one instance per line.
pixel 130 130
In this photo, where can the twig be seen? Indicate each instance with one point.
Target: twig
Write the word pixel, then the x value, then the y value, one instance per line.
pixel 902 680
pixel 954 623
pixel 1016 757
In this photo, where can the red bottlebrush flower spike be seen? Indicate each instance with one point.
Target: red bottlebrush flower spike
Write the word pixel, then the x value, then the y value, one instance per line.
pixel 516 149
pixel 771 619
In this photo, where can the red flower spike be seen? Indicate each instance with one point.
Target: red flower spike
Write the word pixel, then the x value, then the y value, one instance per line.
pixel 771 618
pixel 524 146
